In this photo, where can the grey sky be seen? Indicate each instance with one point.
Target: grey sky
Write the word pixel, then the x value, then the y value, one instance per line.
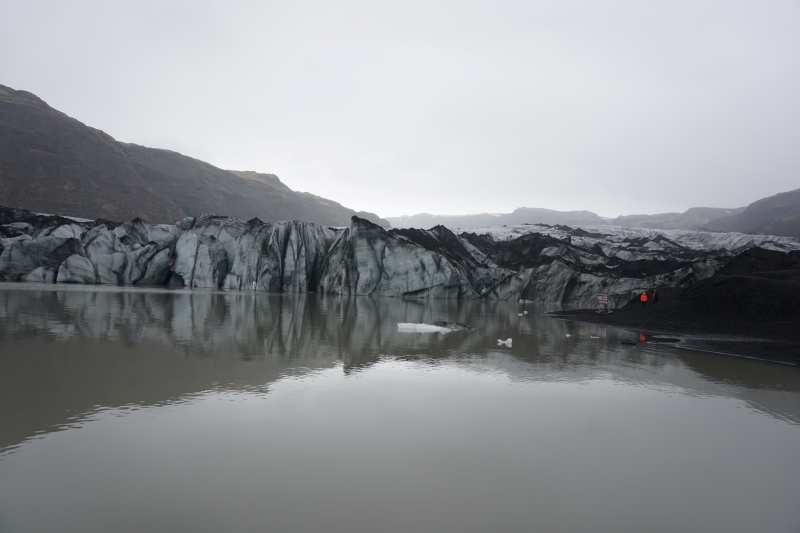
pixel 442 107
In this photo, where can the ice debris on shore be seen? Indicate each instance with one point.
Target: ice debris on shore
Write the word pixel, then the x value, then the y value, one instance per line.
pixel 506 342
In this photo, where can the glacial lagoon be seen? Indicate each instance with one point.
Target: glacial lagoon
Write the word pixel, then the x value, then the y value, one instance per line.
pixel 156 410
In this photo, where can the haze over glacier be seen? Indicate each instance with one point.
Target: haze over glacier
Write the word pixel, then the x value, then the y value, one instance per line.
pixel 438 107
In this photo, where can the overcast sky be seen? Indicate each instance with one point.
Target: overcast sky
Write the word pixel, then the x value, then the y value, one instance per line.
pixel 441 107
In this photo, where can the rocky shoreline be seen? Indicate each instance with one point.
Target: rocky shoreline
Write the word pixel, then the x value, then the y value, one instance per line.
pixel 750 307
pixel 761 345
pixel 532 262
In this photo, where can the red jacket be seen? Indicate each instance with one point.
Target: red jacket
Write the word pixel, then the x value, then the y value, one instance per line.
pixel 643 297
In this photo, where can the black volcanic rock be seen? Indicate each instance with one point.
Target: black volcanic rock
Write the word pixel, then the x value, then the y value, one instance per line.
pixel 757 295
pixel 757 261
pixel 526 251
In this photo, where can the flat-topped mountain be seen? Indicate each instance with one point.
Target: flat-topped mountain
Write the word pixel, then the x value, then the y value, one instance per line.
pixel 52 163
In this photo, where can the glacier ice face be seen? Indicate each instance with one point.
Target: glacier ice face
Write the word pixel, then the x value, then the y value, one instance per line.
pixel 111 268
pixel 367 260
pixel 186 256
pixel 40 275
pixel 157 271
pixel 46 251
pixel 134 232
pixel 76 269
pixel 211 264
pixel 526 263
pixel 100 241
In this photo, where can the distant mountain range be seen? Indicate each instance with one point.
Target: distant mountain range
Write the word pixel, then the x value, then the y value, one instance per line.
pixel 776 215
pixel 691 219
pixel 519 216
pixel 52 163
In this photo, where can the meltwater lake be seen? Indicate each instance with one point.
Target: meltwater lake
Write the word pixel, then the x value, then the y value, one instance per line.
pixel 129 410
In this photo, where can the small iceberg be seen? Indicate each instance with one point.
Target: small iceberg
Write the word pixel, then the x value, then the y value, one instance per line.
pixel 409 327
pixel 595 337
pixel 507 342
pixel 524 312
pixel 453 325
pixel 568 335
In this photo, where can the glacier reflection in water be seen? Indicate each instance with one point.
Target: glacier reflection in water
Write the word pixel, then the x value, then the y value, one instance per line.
pixel 189 411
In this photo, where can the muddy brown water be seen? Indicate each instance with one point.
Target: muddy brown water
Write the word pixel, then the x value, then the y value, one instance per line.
pixel 154 410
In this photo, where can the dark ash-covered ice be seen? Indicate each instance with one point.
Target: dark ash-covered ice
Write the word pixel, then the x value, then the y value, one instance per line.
pixel 530 263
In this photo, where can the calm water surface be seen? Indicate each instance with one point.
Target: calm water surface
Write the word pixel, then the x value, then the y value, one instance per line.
pixel 174 411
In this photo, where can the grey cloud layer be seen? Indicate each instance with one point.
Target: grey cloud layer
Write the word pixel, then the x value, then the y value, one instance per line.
pixel 444 107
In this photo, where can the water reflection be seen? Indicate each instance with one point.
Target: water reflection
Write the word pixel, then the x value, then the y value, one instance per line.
pixel 212 411
pixel 66 354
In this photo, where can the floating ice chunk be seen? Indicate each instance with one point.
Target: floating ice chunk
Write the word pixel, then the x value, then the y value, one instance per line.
pixel 409 327
pixel 519 314
pixel 524 312
pixel 595 337
pixel 454 326
pixel 568 335
pixel 507 342
pixel 521 301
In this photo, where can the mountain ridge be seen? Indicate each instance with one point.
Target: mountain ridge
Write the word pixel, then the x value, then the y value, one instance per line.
pixel 778 214
pixel 53 163
pixel 692 218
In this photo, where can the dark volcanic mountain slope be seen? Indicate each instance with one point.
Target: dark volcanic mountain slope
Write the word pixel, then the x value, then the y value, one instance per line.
pixel 199 188
pixel 775 215
pixel 52 163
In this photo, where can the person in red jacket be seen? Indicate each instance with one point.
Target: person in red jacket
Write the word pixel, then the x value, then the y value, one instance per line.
pixel 643 298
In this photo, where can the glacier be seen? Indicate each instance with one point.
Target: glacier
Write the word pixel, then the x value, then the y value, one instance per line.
pixel 538 262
